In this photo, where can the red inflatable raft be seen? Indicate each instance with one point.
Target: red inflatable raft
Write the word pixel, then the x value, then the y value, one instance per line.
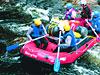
pixel 48 56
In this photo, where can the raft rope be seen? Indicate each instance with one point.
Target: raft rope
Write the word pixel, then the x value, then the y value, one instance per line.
pixel 86 46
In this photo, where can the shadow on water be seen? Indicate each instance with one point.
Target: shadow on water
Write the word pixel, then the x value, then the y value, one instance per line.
pixel 26 67
pixel 34 67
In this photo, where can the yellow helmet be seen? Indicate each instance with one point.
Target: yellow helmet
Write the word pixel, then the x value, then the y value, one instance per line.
pixel 77 35
pixel 37 22
pixel 67 28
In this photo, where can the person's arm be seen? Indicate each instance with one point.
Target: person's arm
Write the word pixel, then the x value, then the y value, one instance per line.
pixel 44 29
pixel 28 33
pixel 73 14
pixel 67 42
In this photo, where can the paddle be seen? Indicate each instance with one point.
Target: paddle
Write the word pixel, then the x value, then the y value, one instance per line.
pixel 57 61
pixel 92 29
pixel 14 46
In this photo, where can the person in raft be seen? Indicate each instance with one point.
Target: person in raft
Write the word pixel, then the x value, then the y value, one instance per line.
pixel 68 41
pixel 85 13
pixel 95 21
pixel 37 30
pixel 70 13
pixel 86 10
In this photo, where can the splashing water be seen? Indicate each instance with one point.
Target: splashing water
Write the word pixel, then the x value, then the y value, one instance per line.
pixel 85 71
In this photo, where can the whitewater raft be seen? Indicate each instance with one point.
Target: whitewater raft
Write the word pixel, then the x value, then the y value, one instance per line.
pixel 48 56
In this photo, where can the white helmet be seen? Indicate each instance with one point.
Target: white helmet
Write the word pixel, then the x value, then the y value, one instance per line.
pixel 83 2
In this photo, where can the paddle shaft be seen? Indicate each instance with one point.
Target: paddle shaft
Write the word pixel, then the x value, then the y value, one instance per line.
pixel 44 29
pixel 81 40
pixel 92 28
pixel 57 60
pixel 59 44
pixel 32 40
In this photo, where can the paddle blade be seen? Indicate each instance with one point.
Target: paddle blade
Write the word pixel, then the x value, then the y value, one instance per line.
pixel 56 65
pixel 12 47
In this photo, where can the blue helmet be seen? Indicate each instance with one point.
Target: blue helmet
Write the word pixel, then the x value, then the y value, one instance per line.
pixel 69 5
pixel 96 13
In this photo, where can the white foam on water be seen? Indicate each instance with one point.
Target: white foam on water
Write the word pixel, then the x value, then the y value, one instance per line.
pixel 95 53
pixel 84 71
pixel 23 28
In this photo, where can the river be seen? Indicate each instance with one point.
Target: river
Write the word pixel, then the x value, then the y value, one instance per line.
pixel 82 66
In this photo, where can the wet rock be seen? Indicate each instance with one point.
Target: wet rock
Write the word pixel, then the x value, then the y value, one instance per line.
pixel 92 56
pixel 2 47
pixel 5 32
pixel 98 2
pixel 14 13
